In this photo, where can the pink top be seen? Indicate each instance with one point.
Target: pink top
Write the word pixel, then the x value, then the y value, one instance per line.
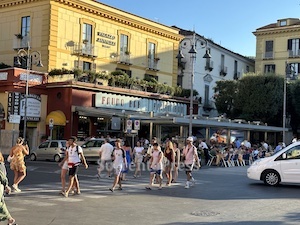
pixel 189 152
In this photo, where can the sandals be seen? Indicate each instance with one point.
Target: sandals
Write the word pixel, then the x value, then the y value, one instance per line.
pixel 11 221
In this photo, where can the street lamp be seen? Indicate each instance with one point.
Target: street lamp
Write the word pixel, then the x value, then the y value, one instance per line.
pixel 193 55
pixel 289 74
pixel 33 57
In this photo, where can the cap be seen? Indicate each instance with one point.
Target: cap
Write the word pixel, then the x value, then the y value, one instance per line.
pixel 190 139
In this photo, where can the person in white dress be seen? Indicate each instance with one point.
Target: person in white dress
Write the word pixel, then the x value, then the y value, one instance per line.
pixel 119 157
pixel 138 152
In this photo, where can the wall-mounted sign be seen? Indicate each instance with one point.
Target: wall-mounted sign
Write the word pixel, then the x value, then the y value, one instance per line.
pixel 16 106
pixel 107 40
pixel 115 101
pixel 3 76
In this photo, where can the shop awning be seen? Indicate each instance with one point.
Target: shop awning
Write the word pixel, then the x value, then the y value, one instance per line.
pixel 58 117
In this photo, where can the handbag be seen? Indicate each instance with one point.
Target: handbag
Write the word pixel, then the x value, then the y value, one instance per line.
pixel 9 158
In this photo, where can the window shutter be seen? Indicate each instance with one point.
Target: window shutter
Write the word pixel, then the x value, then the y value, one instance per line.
pixel 289 47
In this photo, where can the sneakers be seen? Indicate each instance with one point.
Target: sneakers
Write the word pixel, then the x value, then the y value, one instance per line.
pixel 15 188
pixel 187 185
pixel 193 181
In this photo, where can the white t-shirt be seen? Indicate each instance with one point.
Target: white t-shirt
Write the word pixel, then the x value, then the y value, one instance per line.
pixel 106 150
pixel 156 161
pixel 203 145
pixel 118 158
pixel 73 154
pixel 138 150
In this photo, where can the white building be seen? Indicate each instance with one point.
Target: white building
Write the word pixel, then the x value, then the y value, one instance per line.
pixel 223 65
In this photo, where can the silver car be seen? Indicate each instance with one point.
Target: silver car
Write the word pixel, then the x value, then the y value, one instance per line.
pixel 49 150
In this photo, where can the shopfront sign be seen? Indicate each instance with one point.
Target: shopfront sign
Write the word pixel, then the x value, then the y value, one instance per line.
pixel 138 104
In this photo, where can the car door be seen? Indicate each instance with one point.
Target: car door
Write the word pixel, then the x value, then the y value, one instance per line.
pixel 88 148
pixel 53 149
pixel 42 150
pixel 290 165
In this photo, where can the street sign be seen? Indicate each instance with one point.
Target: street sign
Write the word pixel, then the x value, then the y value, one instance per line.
pixel 14 118
pixel 129 125
pixel 51 122
pixel 137 125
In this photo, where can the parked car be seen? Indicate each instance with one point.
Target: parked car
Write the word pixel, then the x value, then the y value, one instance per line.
pixel 283 166
pixel 49 150
pixel 91 148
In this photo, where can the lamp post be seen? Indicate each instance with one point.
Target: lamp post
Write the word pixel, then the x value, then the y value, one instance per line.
pixel 289 74
pixel 193 56
pixel 37 61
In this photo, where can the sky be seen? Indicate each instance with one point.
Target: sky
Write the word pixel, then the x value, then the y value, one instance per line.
pixel 229 23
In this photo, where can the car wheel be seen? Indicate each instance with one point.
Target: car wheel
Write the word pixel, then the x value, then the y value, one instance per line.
pixel 56 158
pixel 32 157
pixel 271 178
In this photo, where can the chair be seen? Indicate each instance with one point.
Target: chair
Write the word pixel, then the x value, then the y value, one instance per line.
pixel 211 159
pixel 226 161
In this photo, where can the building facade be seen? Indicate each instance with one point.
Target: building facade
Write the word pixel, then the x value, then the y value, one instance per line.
pixel 277 44
pixel 223 65
pixel 88 35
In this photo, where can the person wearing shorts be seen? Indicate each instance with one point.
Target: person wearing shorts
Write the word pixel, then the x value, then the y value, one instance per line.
pixel 190 155
pixel 74 156
pixel 105 153
pixel 155 163
pixel 119 164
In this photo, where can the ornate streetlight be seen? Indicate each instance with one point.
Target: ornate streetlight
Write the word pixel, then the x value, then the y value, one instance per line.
pixel 33 57
pixel 193 55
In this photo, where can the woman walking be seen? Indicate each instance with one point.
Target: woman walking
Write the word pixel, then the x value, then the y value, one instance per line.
pixel 128 155
pixel 17 163
pixel 170 160
pixel 138 154
pixel 177 162
pixel 4 213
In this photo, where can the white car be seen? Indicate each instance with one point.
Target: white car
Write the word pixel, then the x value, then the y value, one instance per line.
pixel 49 150
pixel 283 166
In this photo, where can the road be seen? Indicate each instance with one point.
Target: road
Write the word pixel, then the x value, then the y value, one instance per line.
pixel 221 196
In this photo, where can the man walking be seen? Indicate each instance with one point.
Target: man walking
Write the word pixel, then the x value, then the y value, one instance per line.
pixel 190 157
pixel 105 153
pixel 73 155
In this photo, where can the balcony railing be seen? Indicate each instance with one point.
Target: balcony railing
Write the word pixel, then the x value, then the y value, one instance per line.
pixel 87 50
pixel 153 64
pixel 223 70
pixel 209 65
pixel 268 55
pixel 20 42
pixel 294 53
pixel 124 59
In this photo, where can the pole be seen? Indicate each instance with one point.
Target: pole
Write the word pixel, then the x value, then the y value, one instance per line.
pixel 284 103
pixel 26 90
pixel 193 57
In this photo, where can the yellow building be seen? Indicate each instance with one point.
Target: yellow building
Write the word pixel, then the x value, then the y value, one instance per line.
pixel 277 44
pixel 88 35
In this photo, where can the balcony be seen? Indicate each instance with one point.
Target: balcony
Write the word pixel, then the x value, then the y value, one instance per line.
pixel 124 59
pixel 209 65
pixel 20 42
pixel 294 53
pixel 223 70
pixel 268 55
pixel 87 50
pixel 153 64
pixel 236 75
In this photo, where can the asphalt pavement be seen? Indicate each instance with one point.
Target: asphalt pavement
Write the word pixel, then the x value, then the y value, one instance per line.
pixel 220 196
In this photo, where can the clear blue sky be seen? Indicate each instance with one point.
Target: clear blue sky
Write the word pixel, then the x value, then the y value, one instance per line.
pixel 229 23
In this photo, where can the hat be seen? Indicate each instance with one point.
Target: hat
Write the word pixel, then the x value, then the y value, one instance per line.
pixel 191 139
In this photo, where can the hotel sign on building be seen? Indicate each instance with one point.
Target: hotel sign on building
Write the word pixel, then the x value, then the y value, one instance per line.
pixel 138 104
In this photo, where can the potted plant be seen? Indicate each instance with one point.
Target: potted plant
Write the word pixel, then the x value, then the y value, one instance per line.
pixel 19 36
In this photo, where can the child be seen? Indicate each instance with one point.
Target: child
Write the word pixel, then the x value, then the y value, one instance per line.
pixel 155 166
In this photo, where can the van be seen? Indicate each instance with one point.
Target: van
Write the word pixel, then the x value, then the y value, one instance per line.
pixel 283 166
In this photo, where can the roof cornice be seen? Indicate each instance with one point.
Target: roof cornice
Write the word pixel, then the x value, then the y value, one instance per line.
pixel 271 31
